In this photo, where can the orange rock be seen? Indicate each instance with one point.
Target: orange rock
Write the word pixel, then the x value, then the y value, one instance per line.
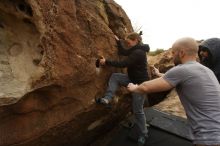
pixel 47 69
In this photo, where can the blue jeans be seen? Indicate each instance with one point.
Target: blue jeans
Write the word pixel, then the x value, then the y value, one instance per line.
pixel 119 79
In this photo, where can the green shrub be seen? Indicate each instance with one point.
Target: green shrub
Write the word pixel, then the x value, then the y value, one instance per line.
pixel 156 52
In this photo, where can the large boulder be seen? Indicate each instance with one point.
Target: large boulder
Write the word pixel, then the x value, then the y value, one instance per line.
pixel 163 61
pixel 172 105
pixel 48 78
pixel 168 102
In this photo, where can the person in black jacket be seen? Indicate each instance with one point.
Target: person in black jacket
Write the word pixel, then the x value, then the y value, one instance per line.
pixel 136 64
pixel 209 55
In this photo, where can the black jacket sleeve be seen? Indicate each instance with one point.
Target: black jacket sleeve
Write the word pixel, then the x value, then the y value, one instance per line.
pixel 126 62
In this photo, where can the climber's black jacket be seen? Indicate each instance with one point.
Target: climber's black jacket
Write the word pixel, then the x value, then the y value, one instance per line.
pixel 136 62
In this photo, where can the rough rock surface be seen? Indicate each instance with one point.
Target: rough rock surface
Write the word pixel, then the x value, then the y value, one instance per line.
pixel 48 78
pixel 162 61
pixel 171 104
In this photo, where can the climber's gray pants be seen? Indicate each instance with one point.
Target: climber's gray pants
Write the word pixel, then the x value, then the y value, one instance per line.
pixel 119 79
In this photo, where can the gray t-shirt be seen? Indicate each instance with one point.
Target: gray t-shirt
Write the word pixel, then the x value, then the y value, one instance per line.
pixel 199 92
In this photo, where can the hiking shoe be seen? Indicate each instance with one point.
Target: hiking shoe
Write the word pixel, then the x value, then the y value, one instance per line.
pixel 104 101
pixel 141 140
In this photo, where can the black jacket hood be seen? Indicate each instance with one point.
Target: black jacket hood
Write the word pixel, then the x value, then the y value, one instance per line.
pixel 143 47
pixel 126 52
pixel 213 45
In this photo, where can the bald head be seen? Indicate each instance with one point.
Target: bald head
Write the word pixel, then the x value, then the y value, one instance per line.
pixel 187 44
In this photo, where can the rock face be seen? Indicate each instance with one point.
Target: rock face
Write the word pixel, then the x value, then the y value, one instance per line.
pixel 48 78
pixel 171 103
pixel 162 61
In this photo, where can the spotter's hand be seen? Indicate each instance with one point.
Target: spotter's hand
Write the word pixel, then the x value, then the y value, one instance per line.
pixel 132 87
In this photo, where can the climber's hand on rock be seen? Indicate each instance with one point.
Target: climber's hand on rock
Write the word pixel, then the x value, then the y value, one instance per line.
pixel 102 61
pixel 116 38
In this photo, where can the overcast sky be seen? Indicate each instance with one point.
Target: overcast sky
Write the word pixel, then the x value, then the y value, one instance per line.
pixel 164 21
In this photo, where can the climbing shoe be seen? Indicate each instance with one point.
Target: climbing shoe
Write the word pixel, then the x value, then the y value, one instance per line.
pixel 141 140
pixel 103 101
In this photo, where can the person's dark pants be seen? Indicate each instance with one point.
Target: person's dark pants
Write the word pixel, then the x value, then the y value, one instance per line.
pixel 119 79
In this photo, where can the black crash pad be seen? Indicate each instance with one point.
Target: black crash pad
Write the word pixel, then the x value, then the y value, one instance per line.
pixel 164 130
pixel 169 123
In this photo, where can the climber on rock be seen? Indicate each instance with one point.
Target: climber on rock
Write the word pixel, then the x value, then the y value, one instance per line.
pixel 136 64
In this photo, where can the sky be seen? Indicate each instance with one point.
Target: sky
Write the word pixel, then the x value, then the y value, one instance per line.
pixel 164 21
